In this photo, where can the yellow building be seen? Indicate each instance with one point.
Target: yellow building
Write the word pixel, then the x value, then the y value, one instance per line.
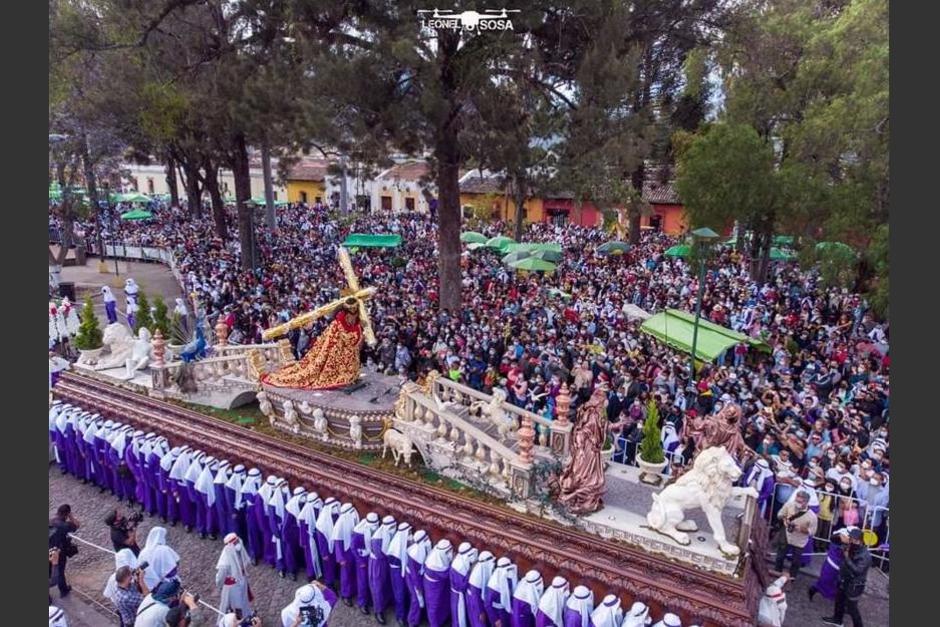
pixel 485 193
pixel 306 182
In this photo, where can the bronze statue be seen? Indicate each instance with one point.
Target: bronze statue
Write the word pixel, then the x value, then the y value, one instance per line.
pixel 724 429
pixel 582 482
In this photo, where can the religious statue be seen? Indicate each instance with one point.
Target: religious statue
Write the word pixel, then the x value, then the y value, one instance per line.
pixel 724 429
pixel 582 483
pixel 140 353
pixel 119 341
pixel 333 360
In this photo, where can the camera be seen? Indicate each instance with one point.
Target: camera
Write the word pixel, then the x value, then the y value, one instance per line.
pixel 134 519
pixel 141 567
pixel 246 621
pixel 311 616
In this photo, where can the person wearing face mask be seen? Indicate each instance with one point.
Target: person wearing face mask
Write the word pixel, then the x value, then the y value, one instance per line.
pixel 799 525
pixel 853 574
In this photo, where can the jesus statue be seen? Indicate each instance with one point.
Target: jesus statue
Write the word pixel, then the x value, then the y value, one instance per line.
pixel 332 361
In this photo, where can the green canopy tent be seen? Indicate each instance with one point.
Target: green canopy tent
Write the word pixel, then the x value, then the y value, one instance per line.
pixel 531 264
pixel 500 243
pixel 362 240
pixel 475 246
pixel 136 214
pixel 680 250
pixel 613 248
pixel 777 254
pixel 546 251
pixel 784 240
pixel 675 328
pixel 133 197
pixel 547 255
pixel 472 237
pixel 515 256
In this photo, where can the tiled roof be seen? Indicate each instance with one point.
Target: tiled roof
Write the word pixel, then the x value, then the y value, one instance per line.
pixel 658 193
pixel 482 185
pixel 309 170
pixel 407 171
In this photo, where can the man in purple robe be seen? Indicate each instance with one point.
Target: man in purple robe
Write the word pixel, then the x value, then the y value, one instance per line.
pixel 362 549
pixel 476 585
pixel 192 474
pixel 275 514
pixel 236 517
pixel 828 582
pixel 125 480
pixel 380 586
pixel 158 449
pixel 259 507
pixel 205 497
pixel 437 583
pixel 551 610
pixel 95 473
pixel 325 521
pixel 180 489
pixel 71 443
pixel 497 598
pixel 244 506
pixel 143 453
pixel 131 459
pixel 223 509
pixel 414 575
pixel 84 465
pixel 341 544
pixel 56 437
pixel 761 478
pixel 308 535
pixel 165 485
pixel 293 545
pixel 459 579
pixel 101 456
pixel 579 607
pixel 525 600
pixel 397 568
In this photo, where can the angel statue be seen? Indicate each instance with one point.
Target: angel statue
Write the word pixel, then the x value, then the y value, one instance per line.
pixel 333 360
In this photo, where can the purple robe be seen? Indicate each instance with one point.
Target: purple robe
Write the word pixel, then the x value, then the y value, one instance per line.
pixel 61 453
pixel 85 458
pixel 543 620
pixel 476 608
pixel 199 505
pixel 396 577
pixel 269 552
pixel 106 475
pixel 308 541
pixel 458 587
pixel 147 483
pixel 573 618
pixel 110 309
pixel 71 449
pixel 437 596
pixel 165 487
pixel 130 458
pixel 362 569
pixel 346 565
pixel 184 502
pixel 414 578
pixel 153 485
pixel 254 532
pixel 327 559
pixel 291 545
pixel 379 584
pixel 828 582
pixel 493 613
pixel 522 614
pixel 235 522
pixel 222 507
pixel 121 473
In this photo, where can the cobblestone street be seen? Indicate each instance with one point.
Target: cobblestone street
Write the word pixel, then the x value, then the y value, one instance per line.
pixel 90 569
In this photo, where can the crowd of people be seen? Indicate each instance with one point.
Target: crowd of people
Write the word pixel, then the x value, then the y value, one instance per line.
pixel 815 408
pixel 372 563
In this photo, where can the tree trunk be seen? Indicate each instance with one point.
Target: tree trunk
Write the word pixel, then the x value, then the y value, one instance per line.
pixel 637 178
pixel 268 187
pixel 91 184
pixel 171 182
pixel 218 204
pixel 193 192
pixel 520 192
pixel 242 175
pixel 65 210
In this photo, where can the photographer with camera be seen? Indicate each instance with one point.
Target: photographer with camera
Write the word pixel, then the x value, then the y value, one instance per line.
pixel 234 619
pixel 167 604
pixel 124 530
pixel 799 524
pixel 311 606
pixel 60 526
pixel 130 592
pixel 853 574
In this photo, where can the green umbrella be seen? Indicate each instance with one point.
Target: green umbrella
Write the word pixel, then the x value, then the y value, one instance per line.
pixel 534 247
pixel 472 237
pixel 516 256
pixel 475 246
pixel 547 255
pixel 776 254
pixel 133 197
pixel 613 248
pixel 533 265
pixel 259 201
pixel 500 242
pixel 136 214
pixel 784 240
pixel 682 250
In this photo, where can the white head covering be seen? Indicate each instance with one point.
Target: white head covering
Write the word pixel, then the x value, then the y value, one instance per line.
pixel 502 582
pixel 305 596
pixel 107 294
pixel 247 488
pixel 419 549
pixel 366 527
pixel 481 571
pixel 181 307
pixel 195 467
pixel 669 620
pixel 222 474
pixel 57 617
pixel 124 557
pixel 310 512
pixel 552 603
pixel 233 558
pixel 205 482
pixel 119 442
pixel 267 488
pixel 130 286
pixel 296 502
pixel 440 557
pixel 386 532
pixel 167 461
pixel 638 616
pixel 161 559
pixel 325 520
pixel 398 547
pixel 276 500
pixel 180 467
pixel 465 559
pixel 530 590
pixel 608 613
pixel 582 602
pixel 342 530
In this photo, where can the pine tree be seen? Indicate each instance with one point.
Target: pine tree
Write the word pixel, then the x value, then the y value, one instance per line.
pixel 143 318
pixel 161 319
pixel 89 333
pixel 651 447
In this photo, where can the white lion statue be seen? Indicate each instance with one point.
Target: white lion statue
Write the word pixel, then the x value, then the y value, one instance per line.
pixel 495 413
pixel 140 353
pixel 119 341
pixel 708 485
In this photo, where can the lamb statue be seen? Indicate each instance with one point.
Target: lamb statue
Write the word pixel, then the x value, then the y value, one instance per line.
pixel 319 422
pixel 119 342
pixel 495 413
pixel 399 443
pixel 291 417
pixel 708 485
pixel 355 431
pixel 140 353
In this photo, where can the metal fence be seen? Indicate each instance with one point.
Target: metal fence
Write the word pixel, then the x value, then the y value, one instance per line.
pixel 625 453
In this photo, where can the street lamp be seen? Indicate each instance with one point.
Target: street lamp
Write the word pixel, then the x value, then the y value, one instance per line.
pixel 702 239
